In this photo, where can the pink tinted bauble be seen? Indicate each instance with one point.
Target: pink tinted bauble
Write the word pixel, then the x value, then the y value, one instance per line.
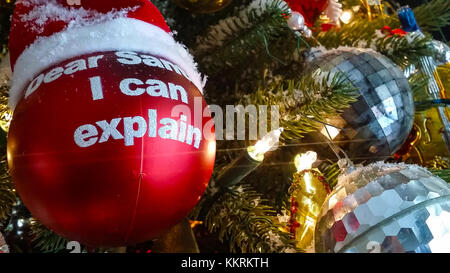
pixel 111 148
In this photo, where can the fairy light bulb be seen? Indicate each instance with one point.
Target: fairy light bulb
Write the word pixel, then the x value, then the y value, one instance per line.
pixel 267 143
pixel 305 161
pixel 346 16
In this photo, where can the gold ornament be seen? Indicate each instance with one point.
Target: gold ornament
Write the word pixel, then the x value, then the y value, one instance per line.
pixel 308 192
pixel 203 6
pixel 438 163
pixel 431 141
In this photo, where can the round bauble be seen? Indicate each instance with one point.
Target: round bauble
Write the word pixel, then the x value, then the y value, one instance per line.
pixel 386 208
pixel 203 6
pixel 379 122
pixel 441 51
pixel 111 148
pixel 296 21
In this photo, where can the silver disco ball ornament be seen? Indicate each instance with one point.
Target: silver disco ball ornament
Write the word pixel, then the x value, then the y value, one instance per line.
pixel 441 51
pixel 386 208
pixel 375 126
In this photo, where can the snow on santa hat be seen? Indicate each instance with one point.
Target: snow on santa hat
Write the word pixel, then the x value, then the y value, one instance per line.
pixel 46 32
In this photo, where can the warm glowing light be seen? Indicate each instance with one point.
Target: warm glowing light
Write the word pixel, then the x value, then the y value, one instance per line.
pixel 195 223
pixel 330 131
pixel 309 188
pixel 267 143
pixel 346 16
pixel 212 147
pixel 305 161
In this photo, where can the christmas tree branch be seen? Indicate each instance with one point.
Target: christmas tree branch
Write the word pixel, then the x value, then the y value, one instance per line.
pixel 7 191
pixel 45 239
pixel 433 15
pixel 331 173
pixel 401 51
pixel 365 34
pixel 444 174
pixel 246 34
pixel 6 10
pixel 242 218
pixel 307 102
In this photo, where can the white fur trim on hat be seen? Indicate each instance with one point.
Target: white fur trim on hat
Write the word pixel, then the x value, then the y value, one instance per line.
pixel 118 34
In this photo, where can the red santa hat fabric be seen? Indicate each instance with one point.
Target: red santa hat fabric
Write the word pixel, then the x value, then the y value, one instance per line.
pixel 45 32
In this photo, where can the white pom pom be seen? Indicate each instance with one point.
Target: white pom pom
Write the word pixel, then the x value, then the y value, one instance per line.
pixel 333 11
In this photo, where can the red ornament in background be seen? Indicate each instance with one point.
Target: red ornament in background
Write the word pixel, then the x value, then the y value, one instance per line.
pixel 310 9
pixel 391 32
pixel 111 142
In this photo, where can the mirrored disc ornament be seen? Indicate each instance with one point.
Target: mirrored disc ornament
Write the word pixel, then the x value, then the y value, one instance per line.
pixel 386 208
pixel 375 126
pixel 442 52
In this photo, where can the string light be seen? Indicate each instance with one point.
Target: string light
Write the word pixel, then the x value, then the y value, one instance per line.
pixel 346 16
pixel 305 161
pixel 267 143
pixel 248 161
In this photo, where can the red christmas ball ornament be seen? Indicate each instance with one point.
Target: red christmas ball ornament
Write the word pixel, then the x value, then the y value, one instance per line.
pixel 111 141
pixel 310 9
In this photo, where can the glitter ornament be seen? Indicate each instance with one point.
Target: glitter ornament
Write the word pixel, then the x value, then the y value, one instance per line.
pixel 109 144
pixel 203 6
pixel 375 126
pixel 386 208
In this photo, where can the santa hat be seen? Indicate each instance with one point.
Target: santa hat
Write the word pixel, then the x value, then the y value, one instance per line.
pixel 46 32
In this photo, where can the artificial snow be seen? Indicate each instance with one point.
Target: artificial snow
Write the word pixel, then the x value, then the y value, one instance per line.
pixel 218 33
pixel 45 11
pixel 120 34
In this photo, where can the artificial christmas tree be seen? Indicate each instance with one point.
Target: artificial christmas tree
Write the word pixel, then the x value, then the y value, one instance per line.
pixel 83 91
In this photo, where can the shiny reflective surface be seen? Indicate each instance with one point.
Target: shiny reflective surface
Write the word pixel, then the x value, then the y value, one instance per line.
pixel 308 195
pixel 442 51
pixel 377 124
pixel 386 208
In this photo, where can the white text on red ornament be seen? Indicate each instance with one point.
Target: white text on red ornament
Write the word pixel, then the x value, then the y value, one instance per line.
pixel 154 88
pixel 57 72
pixel 132 58
pixel 137 127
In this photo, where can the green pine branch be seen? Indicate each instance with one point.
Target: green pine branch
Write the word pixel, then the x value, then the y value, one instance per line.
pixel 242 218
pixel 331 173
pixel 433 15
pixel 362 33
pixel 306 102
pixel 46 240
pixel 6 10
pixel 7 191
pixel 49 242
pixel 444 174
pixel 401 51
pixel 247 34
